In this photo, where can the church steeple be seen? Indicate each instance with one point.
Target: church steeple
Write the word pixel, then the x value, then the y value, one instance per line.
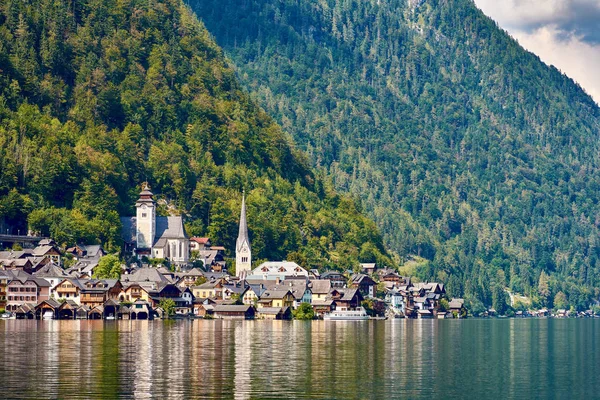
pixel 243 254
pixel 145 219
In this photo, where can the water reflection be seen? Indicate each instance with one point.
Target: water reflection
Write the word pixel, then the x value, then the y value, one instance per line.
pixel 284 359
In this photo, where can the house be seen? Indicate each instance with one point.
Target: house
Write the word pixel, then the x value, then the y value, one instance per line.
pixel 86 252
pixel 226 311
pixel 253 293
pixel 213 258
pixel 10 260
pixel 199 243
pixel 337 279
pixel 367 268
pixel 67 289
pixel 189 278
pixel 203 308
pixel 210 289
pixel 345 299
pixel 23 288
pixel 395 298
pixel 457 306
pixel 145 275
pixel 274 313
pixel 134 291
pixel 95 292
pixel 51 273
pixel 272 270
pixel 236 289
pixel 320 289
pixel 155 237
pixel 276 298
pixel 4 277
pixel 183 297
pixel 364 284
pixel 299 287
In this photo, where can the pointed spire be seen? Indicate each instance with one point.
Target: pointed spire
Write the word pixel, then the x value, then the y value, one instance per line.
pixel 243 233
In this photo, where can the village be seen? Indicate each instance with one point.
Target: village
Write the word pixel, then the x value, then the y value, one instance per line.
pixel 35 285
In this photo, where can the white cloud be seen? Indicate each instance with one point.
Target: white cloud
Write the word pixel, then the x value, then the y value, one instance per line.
pixel 577 59
pixel 563 33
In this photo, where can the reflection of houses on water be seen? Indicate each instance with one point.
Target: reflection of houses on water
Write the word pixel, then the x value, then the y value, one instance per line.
pixel 242 382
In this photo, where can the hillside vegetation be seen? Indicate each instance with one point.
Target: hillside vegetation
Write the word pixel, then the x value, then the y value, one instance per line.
pixel 98 96
pixel 466 149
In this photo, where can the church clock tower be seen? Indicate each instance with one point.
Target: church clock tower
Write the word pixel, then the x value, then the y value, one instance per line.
pixel 145 219
pixel 243 254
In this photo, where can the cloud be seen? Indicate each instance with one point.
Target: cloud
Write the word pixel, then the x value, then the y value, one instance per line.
pixel 578 17
pixel 563 33
pixel 573 56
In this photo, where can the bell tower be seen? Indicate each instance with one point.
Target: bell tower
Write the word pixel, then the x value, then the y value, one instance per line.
pixel 145 219
pixel 243 254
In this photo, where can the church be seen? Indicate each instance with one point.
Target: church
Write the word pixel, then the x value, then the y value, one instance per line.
pixel 243 253
pixel 152 236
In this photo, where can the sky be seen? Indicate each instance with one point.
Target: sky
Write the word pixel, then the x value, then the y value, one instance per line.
pixel 563 33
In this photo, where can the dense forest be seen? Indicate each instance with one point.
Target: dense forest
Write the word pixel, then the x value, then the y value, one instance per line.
pixel 466 149
pixel 99 96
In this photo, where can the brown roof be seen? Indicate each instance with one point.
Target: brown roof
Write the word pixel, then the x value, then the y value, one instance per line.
pixel 231 308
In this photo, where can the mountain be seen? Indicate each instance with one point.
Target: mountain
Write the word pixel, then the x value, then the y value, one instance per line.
pixel 466 149
pixel 99 96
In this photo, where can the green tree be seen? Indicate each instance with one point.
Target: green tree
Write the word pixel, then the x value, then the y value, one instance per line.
pixel 560 301
pixel 304 312
pixel 168 306
pixel 109 267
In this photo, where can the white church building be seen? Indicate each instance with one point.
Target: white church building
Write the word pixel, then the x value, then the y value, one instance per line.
pixel 243 253
pixel 152 236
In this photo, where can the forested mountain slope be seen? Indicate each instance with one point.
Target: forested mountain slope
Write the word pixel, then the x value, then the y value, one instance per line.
pixel 98 96
pixel 465 148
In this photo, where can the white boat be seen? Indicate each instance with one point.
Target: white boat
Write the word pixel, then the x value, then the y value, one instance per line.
pixel 345 314
pixel 110 317
pixel 48 315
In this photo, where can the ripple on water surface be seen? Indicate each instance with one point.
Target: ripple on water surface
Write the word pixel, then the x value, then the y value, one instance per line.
pixel 299 359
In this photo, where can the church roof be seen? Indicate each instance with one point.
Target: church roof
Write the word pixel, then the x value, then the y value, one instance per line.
pixel 243 233
pixel 166 228
pixel 128 229
pixel 170 228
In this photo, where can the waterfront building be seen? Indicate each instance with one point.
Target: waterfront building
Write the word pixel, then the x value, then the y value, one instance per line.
pixel 276 298
pixel 23 288
pixel 226 311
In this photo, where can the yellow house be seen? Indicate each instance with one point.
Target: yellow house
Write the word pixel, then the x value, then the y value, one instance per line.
pixel 276 298
pixel 207 290
pixel 134 292
pixel 320 289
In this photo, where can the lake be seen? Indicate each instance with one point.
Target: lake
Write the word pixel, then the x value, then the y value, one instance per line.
pixel 451 359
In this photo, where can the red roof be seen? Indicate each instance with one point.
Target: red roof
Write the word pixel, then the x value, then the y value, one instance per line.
pixel 199 240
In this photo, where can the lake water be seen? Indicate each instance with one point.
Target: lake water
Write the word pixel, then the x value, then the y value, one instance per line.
pixel 470 359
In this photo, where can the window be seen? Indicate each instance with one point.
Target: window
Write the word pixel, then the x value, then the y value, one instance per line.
pixel 144 215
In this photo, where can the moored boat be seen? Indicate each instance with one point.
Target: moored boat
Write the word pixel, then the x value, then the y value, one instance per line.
pixel 344 314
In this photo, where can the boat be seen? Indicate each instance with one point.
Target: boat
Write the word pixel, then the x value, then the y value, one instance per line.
pixel 346 314
pixel 8 315
pixel 48 315
pixel 110 317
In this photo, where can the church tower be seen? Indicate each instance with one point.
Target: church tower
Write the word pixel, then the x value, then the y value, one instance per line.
pixel 145 219
pixel 243 255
